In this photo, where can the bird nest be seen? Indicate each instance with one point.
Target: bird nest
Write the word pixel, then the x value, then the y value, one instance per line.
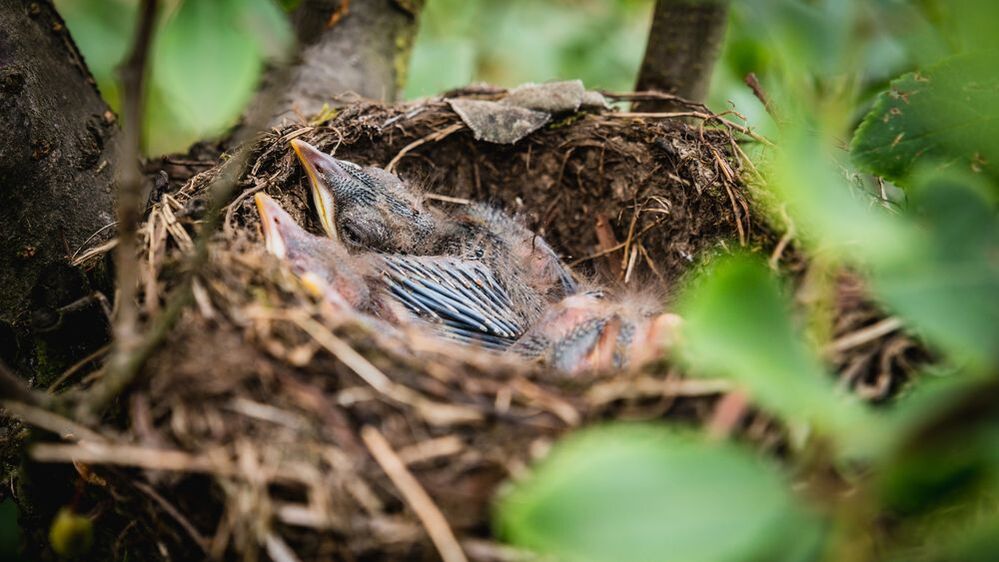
pixel 266 422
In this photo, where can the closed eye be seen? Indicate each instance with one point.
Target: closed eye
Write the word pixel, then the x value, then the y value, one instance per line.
pixel 351 235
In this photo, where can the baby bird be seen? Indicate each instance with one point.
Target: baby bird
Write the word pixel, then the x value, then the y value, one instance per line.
pixel 477 276
pixel 459 299
pixel 589 331
pixel 369 209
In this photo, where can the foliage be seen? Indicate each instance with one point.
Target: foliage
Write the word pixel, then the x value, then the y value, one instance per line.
pixel 925 75
pixel 763 350
pixel 511 42
pixel 635 492
pixel 207 60
pixel 935 115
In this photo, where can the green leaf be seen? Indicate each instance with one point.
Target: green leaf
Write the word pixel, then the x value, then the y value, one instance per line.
pixel 738 325
pixel 830 213
pixel 644 493
pixel 206 61
pixel 948 115
pixel 948 285
pixel 206 69
pixel 438 65
pixel 102 30
pixel 945 473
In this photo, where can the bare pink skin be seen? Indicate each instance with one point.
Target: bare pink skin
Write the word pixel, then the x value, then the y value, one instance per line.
pixel 586 332
pixel 320 261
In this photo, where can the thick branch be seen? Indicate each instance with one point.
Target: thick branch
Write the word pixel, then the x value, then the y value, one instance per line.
pixel 56 163
pixel 359 46
pixel 684 42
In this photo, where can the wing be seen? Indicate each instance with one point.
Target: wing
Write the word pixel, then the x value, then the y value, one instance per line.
pixel 461 297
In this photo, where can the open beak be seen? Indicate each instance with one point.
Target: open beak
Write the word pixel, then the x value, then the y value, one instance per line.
pixel 278 226
pixel 317 166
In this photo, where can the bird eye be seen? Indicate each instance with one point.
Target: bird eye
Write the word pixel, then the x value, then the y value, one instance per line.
pixel 351 234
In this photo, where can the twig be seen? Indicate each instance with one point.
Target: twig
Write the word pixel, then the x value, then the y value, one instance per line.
pixel 607 392
pixel 12 387
pixel 91 452
pixel 754 84
pixel 447 199
pixel 436 413
pixel 121 374
pixel 76 367
pixel 615 247
pixel 77 259
pixel 63 427
pixel 652 264
pixel 432 137
pixel 788 235
pixel 864 335
pixel 130 207
pixel 548 401
pixel 608 243
pixel 414 494
pixel 728 412
pixel 627 241
pixel 277 549
pixel 653 95
pixel 172 511
pixel 697 115
pixel 431 449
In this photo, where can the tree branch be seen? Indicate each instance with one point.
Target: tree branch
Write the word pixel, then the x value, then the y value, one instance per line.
pixel 57 160
pixel 684 42
pixel 358 46
pixel 130 183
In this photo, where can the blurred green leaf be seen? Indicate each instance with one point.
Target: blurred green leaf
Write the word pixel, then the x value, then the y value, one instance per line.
pixel 977 542
pixel 967 25
pixel 510 42
pixel 948 114
pixel 289 5
pixel 814 35
pixel 829 212
pixel 102 30
pixel 438 65
pixel 207 59
pixel 949 457
pixel 948 285
pixel 738 325
pixel 643 493
pixel 10 531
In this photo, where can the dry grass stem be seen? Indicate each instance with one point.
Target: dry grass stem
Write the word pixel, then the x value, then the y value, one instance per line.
pixel 414 494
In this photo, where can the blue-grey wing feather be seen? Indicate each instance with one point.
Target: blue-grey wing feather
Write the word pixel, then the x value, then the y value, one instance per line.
pixel 462 298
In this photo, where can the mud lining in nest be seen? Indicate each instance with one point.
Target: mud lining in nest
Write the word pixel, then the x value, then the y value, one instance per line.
pixel 287 426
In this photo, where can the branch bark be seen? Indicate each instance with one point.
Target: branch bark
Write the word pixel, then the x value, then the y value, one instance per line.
pixel 130 183
pixel 684 43
pixel 359 46
pixel 56 165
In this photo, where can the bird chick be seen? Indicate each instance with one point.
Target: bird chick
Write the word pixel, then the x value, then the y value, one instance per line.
pixel 590 332
pixel 369 209
pixel 478 275
pixel 461 300
pixel 308 254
